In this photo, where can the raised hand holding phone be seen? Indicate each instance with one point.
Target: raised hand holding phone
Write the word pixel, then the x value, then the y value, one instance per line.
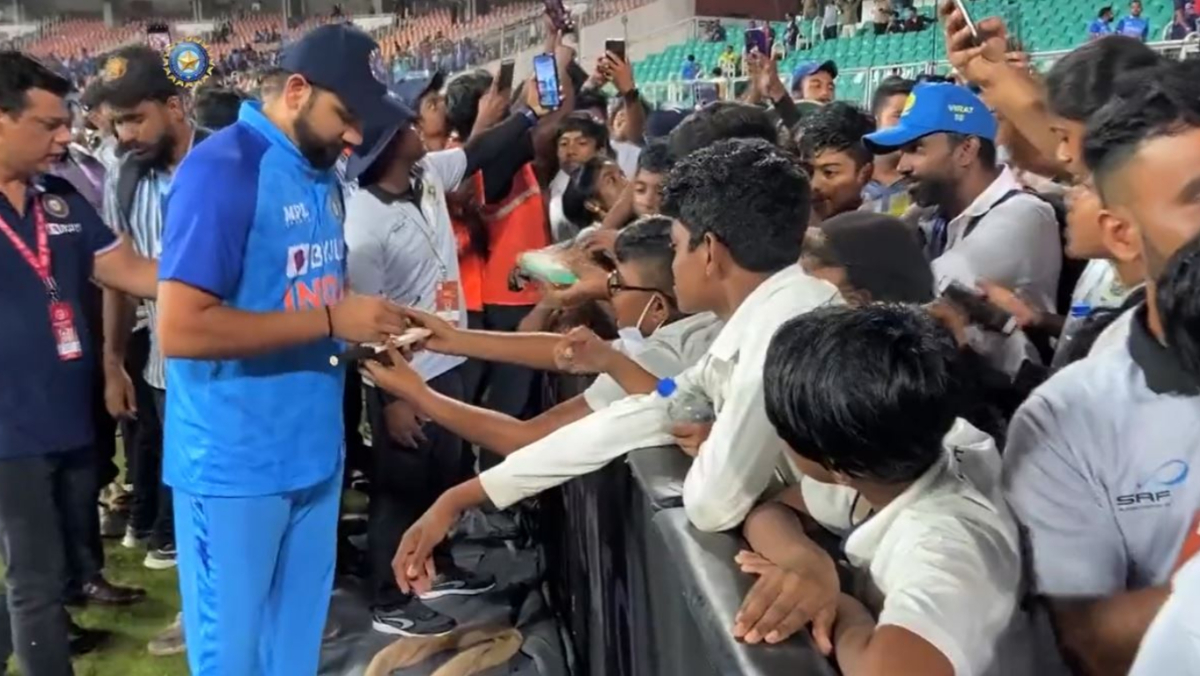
pixel 974 49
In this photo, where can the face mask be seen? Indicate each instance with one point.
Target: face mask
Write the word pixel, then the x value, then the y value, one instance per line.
pixel 630 339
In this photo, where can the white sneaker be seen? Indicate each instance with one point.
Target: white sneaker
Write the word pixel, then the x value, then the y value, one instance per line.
pixel 132 540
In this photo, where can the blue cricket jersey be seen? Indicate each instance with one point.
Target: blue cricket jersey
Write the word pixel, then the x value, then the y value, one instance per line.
pixel 251 222
pixel 1134 27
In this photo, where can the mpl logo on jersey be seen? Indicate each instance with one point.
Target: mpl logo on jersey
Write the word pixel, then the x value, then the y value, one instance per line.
pixel 309 288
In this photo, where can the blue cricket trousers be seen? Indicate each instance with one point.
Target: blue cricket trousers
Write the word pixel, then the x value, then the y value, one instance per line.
pixel 256 575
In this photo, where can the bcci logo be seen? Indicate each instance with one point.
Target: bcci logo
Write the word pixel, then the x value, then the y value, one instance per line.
pixel 188 62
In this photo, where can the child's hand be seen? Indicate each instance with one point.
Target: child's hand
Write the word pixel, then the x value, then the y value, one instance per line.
pixel 784 600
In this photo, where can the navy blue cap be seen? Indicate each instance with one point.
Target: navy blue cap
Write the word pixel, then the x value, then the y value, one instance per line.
pixel 806 68
pixel 935 108
pixel 375 141
pixel 347 62
pixel 659 123
pixel 411 89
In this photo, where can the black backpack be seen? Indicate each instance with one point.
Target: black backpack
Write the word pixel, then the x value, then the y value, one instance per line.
pixel 130 172
pixel 1071 269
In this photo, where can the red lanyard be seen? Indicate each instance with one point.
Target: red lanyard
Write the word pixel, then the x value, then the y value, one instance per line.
pixel 41 262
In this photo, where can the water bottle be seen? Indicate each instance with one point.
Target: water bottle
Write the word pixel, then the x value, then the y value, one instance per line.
pixel 1079 313
pixel 688 406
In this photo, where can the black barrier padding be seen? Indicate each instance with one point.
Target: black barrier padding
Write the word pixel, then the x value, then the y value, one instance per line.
pixel 714 587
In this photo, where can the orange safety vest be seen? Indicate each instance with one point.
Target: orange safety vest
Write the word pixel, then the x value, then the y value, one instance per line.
pixel 516 225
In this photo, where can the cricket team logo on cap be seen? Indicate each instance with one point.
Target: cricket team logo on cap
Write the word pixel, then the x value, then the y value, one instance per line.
pixel 908 104
pixel 188 62
pixel 378 68
pixel 55 206
pixel 114 69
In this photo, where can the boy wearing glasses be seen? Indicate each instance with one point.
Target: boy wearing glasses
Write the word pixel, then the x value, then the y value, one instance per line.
pixel 739 209
pixel 656 341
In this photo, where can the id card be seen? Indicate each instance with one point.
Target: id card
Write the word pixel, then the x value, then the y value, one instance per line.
pixel 62 325
pixel 446 300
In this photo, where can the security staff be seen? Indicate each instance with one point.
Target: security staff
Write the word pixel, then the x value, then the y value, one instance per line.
pixel 52 242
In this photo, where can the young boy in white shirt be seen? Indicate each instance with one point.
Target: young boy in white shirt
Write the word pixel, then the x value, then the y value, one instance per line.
pixel 865 398
pixel 657 341
pixel 740 209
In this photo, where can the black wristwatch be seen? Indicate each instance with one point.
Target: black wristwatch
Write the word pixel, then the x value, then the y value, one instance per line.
pixel 632 96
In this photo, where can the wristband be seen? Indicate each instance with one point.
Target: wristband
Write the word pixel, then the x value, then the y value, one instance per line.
pixel 531 116
pixel 329 320
pixel 632 96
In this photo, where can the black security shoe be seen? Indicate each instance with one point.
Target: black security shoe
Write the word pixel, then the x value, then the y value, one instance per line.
pixel 411 619
pixel 458 582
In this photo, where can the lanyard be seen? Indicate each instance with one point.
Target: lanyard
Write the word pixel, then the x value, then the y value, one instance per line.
pixel 41 262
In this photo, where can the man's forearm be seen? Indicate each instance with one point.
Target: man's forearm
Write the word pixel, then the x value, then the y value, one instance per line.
pixel 1100 637
pixel 533 350
pixel 119 315
pixel 486 147
pixel 630 376
pixel 775 531
pixel 497 432
pixel 222 332
pixel 1019 98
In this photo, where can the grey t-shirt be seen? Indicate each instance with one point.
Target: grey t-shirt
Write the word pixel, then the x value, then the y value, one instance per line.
pixel 1097 469
pixel 403 247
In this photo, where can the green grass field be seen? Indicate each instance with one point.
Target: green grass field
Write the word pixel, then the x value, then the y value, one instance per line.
pixel 131 627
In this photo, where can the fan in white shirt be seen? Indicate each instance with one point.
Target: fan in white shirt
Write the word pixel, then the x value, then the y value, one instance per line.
pixel 867 398
pixel 739 209
pixel 657 341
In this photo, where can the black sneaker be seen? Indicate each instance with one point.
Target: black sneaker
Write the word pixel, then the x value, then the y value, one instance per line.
pixel 411 619
pixel 459 583
pixel 162 558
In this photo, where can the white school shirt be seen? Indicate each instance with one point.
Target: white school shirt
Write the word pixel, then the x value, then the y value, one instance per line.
pixel 943 561
pixel 665 354
pixel 1172 643
pixel 735 464
pixel 972 451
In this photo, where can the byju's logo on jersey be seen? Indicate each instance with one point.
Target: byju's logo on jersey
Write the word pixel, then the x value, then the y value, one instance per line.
pixel 297 261
pixel 1157 487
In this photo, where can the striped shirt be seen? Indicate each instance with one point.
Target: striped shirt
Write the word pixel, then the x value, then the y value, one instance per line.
pixel 144 227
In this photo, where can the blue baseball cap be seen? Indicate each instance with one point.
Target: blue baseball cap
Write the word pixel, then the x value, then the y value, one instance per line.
pixel 347 62
pixel 410 90
pixel 932 108
pixel 806 68
pixel 375 141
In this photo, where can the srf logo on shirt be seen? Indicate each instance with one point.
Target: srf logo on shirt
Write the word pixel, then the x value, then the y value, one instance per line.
pixel 297 260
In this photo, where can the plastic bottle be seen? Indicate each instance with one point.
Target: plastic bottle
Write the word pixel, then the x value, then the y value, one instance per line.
pixel 688 406
pixel 1079 313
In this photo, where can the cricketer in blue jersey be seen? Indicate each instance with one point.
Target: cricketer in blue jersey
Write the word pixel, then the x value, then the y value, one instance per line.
pixel 251 308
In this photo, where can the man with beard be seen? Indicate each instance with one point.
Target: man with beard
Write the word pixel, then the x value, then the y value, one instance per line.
pixel 251 305
pixel 1096 465
pixel 154 133
pixel 983 225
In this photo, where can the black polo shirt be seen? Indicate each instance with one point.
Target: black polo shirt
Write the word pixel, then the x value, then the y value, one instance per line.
pixel 45 403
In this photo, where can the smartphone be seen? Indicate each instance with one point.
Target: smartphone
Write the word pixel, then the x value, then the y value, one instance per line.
pixel 559 15
pixel 758 40
pixel 158 36
pixel 962 7
pixel 545 267
pixel 978 310
pixel 705 93
pixel 545 74
pixel 617 47
pixel 504 80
